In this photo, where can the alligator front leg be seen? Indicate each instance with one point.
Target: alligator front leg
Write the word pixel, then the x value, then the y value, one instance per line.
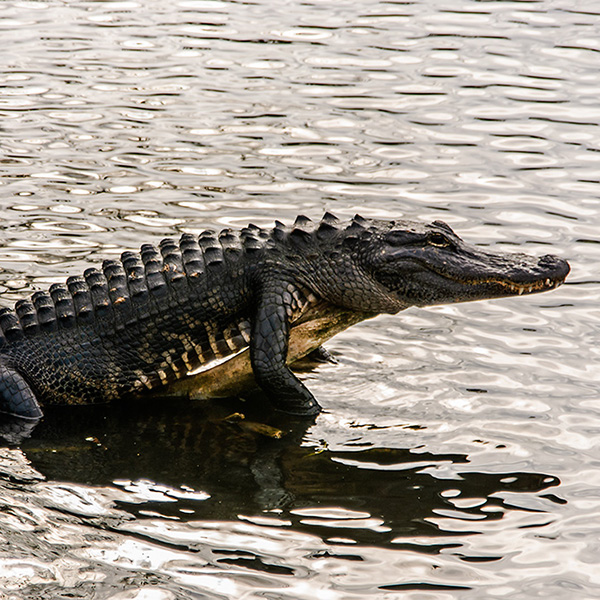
pixel 268 353
pixel 16 397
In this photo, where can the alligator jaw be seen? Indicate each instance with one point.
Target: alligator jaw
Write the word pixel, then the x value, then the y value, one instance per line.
pixel 481 276
pixel 514 288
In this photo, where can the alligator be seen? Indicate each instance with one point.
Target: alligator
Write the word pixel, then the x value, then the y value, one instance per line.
pixel 154 319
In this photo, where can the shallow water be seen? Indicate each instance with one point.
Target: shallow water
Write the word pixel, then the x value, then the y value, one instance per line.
pixel 459 453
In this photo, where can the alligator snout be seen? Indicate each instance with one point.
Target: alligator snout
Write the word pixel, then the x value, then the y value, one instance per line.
pixel 531 275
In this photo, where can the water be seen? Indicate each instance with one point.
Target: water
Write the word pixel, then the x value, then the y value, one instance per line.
pixel 459 453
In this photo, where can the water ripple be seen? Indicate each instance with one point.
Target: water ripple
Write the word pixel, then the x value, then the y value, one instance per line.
pixel 459 448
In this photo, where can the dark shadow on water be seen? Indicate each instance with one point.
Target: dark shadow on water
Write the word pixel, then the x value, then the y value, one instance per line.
pixel 370 495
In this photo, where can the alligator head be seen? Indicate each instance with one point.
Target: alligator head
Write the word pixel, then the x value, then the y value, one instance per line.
pixel 416 264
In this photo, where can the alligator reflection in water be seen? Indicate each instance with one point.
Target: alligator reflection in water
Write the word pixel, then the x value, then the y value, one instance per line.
pixel 370 495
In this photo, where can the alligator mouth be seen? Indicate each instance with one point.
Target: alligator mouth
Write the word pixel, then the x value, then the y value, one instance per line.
pixel 541 285
pixel 546 273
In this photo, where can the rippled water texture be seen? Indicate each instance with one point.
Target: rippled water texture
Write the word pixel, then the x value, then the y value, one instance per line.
pixel 459 453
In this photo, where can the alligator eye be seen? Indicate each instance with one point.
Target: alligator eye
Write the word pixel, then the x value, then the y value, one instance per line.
pixel 438 239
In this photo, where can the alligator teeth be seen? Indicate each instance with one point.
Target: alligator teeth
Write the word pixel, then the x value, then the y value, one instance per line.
pixel 522 289
pixel 527 289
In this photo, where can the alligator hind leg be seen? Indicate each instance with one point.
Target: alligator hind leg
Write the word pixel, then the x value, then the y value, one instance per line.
pixel 322 355
pixel 16 397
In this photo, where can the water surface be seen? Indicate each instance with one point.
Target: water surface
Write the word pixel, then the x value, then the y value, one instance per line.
pixel 458 455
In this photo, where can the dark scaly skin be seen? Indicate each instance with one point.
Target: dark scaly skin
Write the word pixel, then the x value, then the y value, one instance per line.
pixel 149 319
